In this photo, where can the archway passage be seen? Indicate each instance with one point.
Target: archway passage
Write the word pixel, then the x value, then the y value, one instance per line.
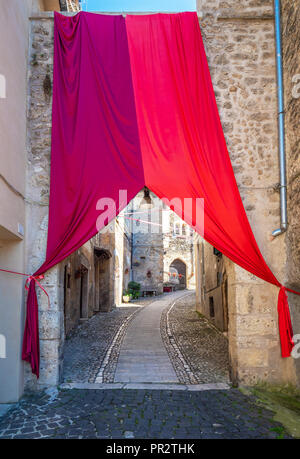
pixel 135 341
pixel 144 116
pixel 180 267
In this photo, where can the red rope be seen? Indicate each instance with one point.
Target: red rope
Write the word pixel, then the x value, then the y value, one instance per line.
pixel 29 278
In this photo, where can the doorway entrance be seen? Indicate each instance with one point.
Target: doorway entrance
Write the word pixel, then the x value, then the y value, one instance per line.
pixel 179 268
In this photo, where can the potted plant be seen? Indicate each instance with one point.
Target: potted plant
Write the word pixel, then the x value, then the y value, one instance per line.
pixel 134 288
pixel 126 296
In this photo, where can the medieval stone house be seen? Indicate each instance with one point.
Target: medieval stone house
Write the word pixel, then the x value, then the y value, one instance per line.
pixel 211 284
pixel 240 46
pixel 162 246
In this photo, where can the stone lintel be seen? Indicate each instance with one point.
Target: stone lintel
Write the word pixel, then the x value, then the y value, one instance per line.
pixel 230 17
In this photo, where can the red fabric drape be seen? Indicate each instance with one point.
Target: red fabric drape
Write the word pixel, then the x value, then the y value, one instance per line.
pixel 183 146
pixel 163 131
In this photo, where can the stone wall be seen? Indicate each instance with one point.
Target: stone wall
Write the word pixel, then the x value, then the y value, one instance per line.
pixel 122 256
pixel 147 244
pixel 291 73
pixel 211 284
pixel 90 285
pixel 40 68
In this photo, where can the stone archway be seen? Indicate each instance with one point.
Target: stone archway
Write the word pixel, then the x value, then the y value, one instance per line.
pixel 180 267
pixel 253 318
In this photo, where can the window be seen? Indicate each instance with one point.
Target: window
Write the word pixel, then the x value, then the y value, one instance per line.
pixel 177 228
pixel 211 307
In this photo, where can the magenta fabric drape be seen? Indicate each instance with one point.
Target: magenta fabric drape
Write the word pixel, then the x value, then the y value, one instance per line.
pixel 157 127
pixel 95 144
pixel 31 342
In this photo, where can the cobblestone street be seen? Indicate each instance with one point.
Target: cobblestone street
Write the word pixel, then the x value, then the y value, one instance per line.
pixel 86 348
pixel 197 352
pixel 129 413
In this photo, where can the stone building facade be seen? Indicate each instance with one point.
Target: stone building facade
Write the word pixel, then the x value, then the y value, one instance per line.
pixel 147 242
pixel 179 266
pixel 240 46
pixel 96 275
pixel 211 284
pixel 291 74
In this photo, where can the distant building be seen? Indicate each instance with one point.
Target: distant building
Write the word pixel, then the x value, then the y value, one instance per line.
pixel 72 6
pixel 162 246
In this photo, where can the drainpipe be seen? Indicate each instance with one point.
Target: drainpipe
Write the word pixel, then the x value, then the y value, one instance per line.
pixel 281 132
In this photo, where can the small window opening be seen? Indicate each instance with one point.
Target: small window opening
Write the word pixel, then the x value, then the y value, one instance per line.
pixel 211 307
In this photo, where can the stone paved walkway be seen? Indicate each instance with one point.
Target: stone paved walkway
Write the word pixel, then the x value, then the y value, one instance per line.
pixel 143 356
pixel 86 347
pixel 143 410
pixel 198 351
pixel 139 414
pixel 165 342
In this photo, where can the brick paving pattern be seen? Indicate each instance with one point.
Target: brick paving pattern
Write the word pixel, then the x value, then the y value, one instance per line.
pixel 85 349
pixel 143 356
pixel 139 414
pixel 87 346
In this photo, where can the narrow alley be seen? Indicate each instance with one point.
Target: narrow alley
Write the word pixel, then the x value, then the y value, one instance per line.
pixel 143 376
pixel 152 340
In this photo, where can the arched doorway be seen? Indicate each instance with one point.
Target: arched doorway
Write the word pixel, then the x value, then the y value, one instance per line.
pixel 180 267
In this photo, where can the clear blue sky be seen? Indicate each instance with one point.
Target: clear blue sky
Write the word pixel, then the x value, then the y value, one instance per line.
pixel 142 5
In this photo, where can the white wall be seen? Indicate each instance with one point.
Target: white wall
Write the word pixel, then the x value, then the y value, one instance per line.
pixel 14 27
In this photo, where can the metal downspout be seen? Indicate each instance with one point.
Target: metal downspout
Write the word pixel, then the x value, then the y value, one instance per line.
pixel 281 129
